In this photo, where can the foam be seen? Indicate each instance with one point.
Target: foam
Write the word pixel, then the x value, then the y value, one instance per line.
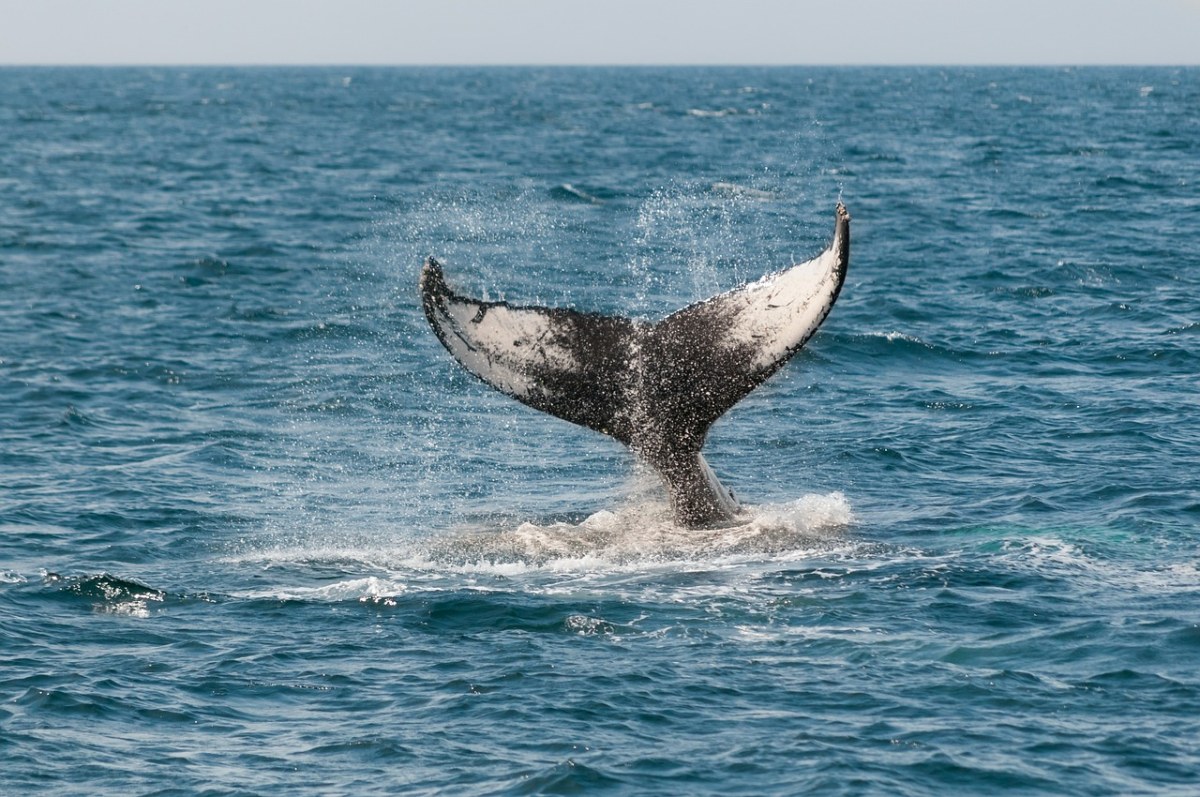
pixel 1048 553
pixel 368 589
pixel 637 539
pixel 643 535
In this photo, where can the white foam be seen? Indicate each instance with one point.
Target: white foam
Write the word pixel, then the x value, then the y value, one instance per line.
pixel 895 335
pixel 132 608
pixel 581 194
pixel 635 540
pixel 643 535
pixel 773 633
pixel 706 113
pixel 1049 554
pixel 369 589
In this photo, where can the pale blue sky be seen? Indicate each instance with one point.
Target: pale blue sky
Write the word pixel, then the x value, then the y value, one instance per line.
pixel 599 32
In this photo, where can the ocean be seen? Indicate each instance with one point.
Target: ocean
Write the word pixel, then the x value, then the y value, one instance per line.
pixel 260 534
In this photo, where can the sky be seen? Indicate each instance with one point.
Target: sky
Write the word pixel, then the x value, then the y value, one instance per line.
pixel 1051 32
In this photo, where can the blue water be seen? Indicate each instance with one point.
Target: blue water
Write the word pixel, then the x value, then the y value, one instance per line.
pixel 259 534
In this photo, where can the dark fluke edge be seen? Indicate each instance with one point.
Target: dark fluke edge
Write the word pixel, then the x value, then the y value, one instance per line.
pixel 656 387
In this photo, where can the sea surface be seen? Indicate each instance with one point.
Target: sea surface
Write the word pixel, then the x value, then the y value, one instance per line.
pixel 260 534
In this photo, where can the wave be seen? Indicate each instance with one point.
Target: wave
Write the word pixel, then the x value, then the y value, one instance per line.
pixel 570 193
pixel 1052 555
pixel 896 344
pixel 706 113
pixel 108 594
pixel 367 589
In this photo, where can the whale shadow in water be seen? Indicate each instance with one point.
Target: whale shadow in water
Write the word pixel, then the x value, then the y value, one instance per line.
pixel 656 387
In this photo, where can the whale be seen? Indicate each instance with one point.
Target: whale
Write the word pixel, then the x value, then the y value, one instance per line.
pixel 657 387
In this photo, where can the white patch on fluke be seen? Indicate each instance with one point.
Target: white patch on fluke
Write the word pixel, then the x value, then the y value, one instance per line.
pixel 779 312
pixel 499 344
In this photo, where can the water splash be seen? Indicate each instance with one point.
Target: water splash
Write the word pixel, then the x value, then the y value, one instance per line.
pixel 635 537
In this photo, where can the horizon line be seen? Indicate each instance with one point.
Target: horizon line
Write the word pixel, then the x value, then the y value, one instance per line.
pixel 595 65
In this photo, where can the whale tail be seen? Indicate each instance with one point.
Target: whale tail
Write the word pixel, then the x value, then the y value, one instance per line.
pixel 656 387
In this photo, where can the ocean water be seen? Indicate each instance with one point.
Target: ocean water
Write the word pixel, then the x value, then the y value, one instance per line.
pixel 259 534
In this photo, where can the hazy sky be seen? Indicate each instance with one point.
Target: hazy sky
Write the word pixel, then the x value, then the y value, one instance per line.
pixel 599 32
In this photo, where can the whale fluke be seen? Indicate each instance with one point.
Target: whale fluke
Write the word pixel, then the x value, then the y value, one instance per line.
pixel 656 387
